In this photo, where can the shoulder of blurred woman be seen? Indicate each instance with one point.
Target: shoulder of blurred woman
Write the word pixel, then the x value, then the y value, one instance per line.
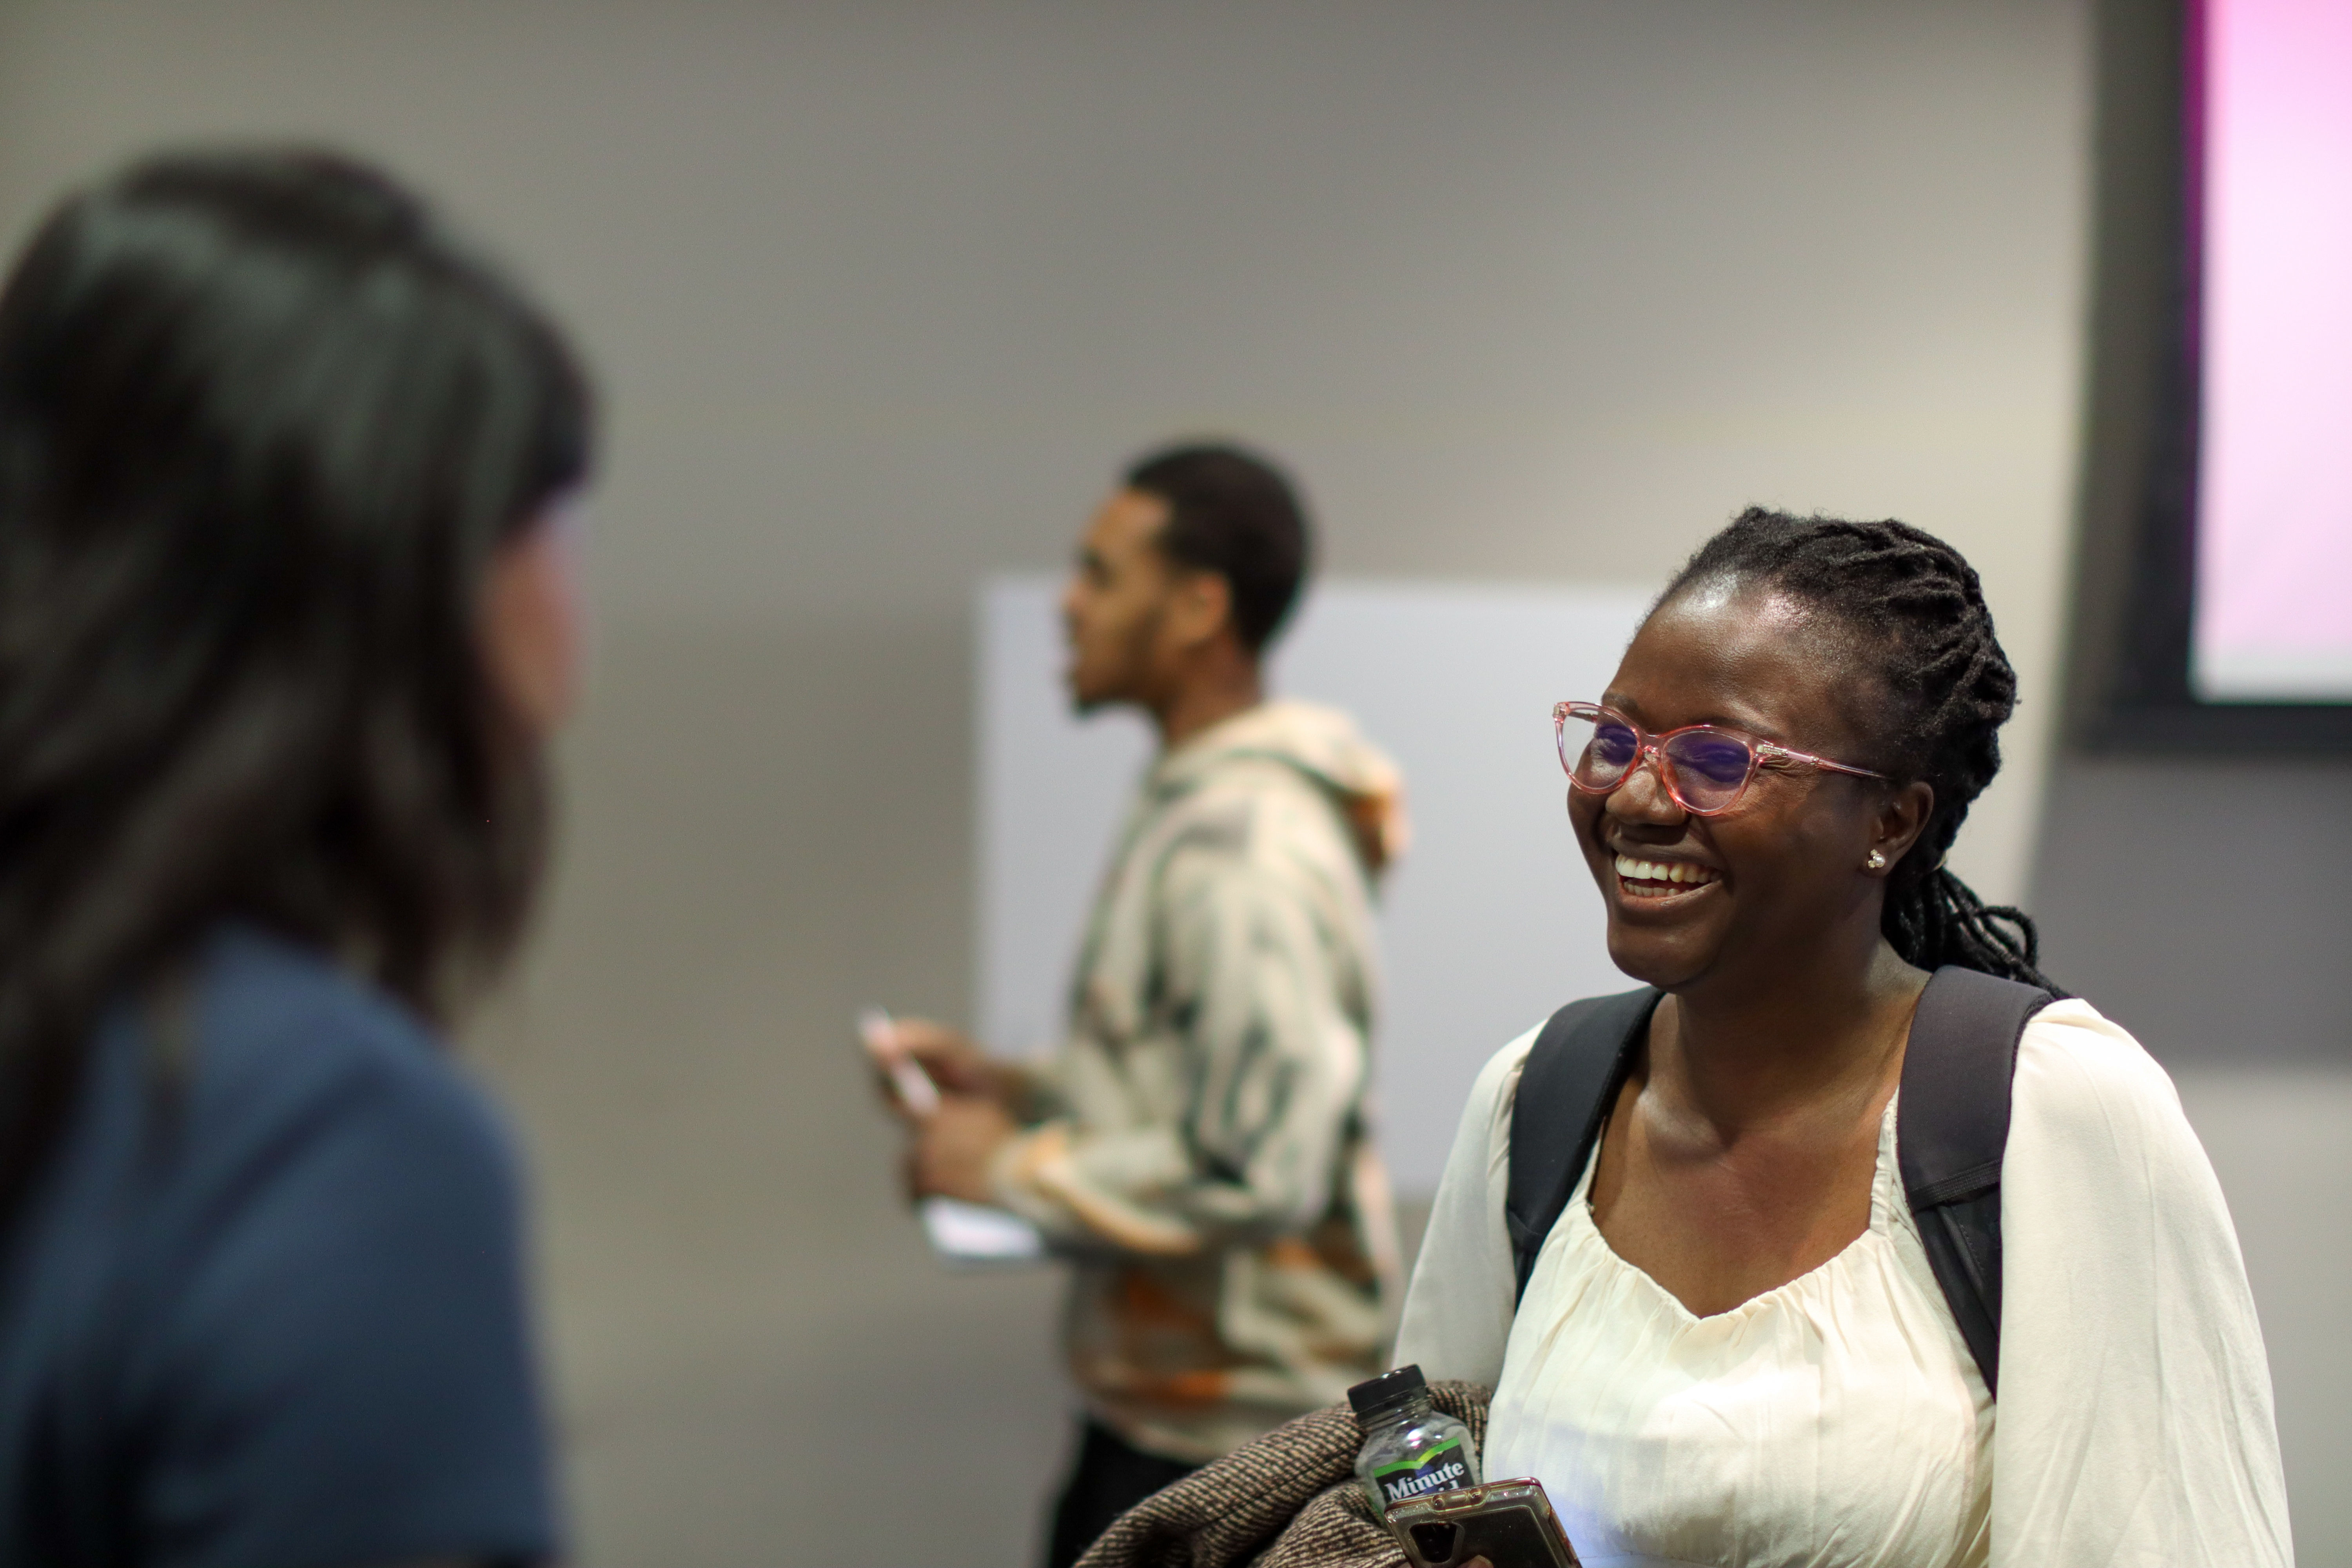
pixel 275 1047
pixel 282 1255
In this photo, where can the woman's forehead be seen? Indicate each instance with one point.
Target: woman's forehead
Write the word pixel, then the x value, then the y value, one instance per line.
pixel 1753 658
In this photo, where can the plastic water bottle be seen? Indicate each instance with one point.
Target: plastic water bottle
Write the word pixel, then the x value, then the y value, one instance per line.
pixel 1410 1448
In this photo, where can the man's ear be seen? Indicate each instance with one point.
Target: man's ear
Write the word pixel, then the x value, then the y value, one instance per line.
pixel 1200 606
pixel 1901 818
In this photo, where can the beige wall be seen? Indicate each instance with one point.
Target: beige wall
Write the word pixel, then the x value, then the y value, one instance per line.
pixel 879 293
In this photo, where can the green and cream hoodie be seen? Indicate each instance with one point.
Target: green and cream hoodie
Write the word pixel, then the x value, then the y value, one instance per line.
pixel 1201 1142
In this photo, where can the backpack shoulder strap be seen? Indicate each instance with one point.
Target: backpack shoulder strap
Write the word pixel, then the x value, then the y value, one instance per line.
pixel 1951 1128
pixel 1568 1082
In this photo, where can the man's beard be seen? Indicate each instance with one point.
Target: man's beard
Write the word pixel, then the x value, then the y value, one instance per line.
pixel 1131 688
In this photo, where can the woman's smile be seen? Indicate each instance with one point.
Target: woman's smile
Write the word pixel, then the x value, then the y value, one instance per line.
pixel 1657 879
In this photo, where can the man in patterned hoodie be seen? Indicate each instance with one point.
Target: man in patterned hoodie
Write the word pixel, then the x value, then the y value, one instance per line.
pixel 1199 1145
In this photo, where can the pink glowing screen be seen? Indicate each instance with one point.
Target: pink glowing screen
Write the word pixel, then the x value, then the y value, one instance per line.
pixel 2274 619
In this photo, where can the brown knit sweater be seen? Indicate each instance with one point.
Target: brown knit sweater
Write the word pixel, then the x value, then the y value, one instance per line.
pixel 1289 1500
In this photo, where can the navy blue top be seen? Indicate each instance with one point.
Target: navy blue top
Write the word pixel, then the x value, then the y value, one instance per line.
pixel 265 1309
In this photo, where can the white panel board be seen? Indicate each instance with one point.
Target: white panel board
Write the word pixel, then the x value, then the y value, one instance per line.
pixel 1489 923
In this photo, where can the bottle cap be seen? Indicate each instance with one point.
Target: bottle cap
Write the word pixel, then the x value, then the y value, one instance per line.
pixel 1390 1388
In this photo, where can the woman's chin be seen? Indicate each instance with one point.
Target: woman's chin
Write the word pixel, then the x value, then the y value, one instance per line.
pixel 1664 956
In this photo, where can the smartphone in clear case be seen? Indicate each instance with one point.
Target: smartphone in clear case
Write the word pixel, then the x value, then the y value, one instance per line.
pixel 1509 1524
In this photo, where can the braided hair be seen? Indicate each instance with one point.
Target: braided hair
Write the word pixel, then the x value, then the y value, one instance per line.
pixel 1917 614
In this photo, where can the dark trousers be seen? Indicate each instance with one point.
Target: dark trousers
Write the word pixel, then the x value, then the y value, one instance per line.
pixel 1111 1477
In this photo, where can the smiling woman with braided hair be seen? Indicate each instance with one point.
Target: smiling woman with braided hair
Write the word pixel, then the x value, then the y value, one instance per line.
pixel 1735 1346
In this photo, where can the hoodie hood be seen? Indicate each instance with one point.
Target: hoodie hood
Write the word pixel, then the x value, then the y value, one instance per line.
pixel 1322 743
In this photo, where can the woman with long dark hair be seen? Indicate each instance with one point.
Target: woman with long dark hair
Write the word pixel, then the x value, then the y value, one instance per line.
pixel 286 620
pixel 1734 1339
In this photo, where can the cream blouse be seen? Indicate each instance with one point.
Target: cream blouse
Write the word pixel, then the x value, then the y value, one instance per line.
pixel 1839 1421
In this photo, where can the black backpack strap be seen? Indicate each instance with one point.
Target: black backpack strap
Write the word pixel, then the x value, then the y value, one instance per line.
pixel 1951 1128
pixel 1570 1080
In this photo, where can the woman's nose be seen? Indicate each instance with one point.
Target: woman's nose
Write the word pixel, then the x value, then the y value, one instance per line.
pixel 1643 796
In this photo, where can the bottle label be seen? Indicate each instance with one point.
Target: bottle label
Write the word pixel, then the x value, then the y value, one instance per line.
pixel 1439 1471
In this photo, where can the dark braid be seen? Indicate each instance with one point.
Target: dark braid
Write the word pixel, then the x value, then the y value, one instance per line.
pixel 1918 614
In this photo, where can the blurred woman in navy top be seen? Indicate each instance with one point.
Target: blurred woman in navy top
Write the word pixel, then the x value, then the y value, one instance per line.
pixel 286 620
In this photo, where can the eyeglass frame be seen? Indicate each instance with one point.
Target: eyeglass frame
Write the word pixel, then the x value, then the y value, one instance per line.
pixel 1761 754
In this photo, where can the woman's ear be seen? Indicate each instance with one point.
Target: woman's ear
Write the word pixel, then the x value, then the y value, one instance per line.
pixel 1902 817
pixel 530 628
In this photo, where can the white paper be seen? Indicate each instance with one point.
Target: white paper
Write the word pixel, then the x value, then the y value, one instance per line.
pixel 975 1233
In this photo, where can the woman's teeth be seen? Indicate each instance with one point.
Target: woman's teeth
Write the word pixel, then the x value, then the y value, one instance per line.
pixel 1656 879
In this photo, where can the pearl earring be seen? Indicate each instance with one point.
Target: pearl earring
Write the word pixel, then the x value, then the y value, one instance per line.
pixel 1877 861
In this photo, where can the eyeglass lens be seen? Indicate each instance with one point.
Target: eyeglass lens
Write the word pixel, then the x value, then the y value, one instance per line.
pixel 1708 768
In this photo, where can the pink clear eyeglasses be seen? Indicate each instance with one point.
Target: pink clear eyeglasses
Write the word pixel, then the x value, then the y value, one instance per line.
pixel 1705 768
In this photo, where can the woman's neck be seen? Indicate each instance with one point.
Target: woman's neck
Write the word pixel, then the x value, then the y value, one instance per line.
pixel 1811 1035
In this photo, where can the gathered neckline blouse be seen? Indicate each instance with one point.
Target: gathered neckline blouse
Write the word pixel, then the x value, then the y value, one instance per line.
pixel 1663 1436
